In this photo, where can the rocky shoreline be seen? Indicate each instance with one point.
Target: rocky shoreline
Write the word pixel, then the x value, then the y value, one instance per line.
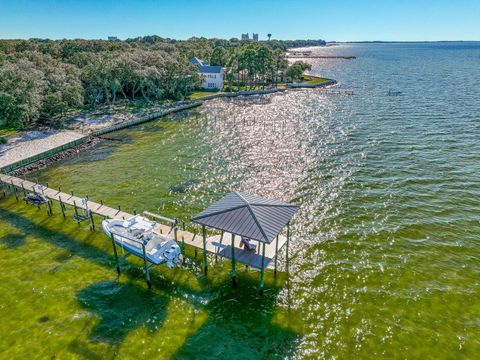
pixel 44 163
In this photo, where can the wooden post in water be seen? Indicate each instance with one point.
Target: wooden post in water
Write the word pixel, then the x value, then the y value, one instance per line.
pixel 48 205
pixel 183 247
pixel 61 206
pixel 145 266
pixel 262 271
pixel 76 212
pixel 90 218
pixel 115 253
pixel 205 260
pixel 234 272
pixel 24 191
pixel 175 230
pixel 14 190
pixel 276 255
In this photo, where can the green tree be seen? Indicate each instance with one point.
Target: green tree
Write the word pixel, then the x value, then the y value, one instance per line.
pixel 295 71
pixel 21 93
pixel 219 56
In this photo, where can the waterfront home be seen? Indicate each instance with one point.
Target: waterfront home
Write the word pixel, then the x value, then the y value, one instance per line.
pixel 212 75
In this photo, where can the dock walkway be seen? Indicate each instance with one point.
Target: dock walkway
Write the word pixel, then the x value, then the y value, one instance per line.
pixel 219 245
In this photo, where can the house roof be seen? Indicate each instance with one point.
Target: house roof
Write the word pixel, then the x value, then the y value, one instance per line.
pixel 210 69
pixel 204 67
pixel 198 62
pixel 248 215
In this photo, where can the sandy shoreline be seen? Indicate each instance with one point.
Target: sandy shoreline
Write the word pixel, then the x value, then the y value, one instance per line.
pixel 30 143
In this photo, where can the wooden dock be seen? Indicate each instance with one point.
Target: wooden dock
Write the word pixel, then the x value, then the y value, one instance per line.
pixel 218 245
pixel 64 198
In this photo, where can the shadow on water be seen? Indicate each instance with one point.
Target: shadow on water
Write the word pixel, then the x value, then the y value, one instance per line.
pixel 12 241
pixel 239 324
pixel 122 308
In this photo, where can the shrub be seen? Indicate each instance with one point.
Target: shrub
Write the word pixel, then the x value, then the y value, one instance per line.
pixel 2 140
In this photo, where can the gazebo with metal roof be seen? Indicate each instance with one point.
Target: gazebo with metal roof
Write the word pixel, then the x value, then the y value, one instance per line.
pixel 251 218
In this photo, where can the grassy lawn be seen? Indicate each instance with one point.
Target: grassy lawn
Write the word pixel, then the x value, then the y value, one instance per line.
pixel 4 131
pixel 309 79
pixel 200 94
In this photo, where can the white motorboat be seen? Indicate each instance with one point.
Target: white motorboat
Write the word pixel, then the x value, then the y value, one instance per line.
pixel 138 233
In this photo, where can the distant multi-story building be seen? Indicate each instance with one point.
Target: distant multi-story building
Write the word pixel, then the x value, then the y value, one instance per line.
pixel 255 37
pixel 245 37
pixel 212 75
pixel 112 38
pixel 269 36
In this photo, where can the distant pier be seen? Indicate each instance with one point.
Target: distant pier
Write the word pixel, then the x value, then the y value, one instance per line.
pixel 347 57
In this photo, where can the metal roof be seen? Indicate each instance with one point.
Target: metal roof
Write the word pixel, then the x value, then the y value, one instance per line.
pixel 210 69
pixel 248 215
pixel 197 61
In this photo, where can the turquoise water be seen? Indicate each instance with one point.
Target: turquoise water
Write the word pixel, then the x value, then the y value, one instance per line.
pixel 385 255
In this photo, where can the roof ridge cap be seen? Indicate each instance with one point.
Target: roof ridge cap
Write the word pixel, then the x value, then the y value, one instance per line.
pixel 218 212
pixel 253 215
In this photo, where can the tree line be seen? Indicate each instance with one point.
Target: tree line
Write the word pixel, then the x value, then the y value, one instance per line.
pixel 41 80
pixel 256 64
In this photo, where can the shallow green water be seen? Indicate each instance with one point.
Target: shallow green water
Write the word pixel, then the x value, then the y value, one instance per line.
pixel 385 250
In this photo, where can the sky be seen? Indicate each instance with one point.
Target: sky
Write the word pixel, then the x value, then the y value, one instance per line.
pixel 333 20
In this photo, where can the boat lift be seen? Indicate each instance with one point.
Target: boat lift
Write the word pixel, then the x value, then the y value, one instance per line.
pixel 148 262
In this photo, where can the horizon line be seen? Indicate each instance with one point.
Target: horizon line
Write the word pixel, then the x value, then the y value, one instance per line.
pixel 261 40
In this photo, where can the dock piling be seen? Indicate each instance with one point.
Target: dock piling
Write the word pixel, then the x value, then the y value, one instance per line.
pixel 48 206
pixel 145 267
pixel 62 207
pixel 90 218
pixel 76 212
pixel 115 253
pixel 15 190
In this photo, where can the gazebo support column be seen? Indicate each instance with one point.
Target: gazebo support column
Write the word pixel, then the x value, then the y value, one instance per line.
pixel 262 271
pixel 205 262
pixel 234 272
pixel 276 255
pixel 288 241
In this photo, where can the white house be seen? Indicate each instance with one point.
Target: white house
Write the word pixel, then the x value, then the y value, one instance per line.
pixel 212 75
